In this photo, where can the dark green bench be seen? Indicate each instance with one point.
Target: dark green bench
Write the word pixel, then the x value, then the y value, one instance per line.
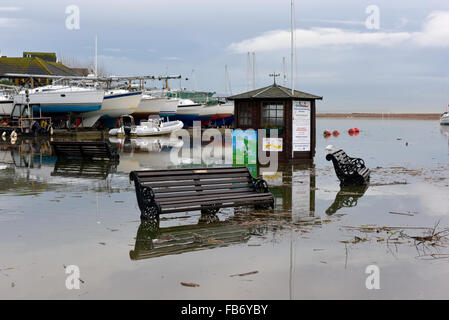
pixel 350 171
pixel 205 189
pixel 90 150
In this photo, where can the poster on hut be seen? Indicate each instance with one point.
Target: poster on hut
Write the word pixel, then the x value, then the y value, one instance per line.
pixel 301 126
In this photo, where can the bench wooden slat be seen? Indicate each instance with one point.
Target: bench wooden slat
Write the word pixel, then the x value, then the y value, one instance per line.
pixel 208 197
pixel 190 183
pixel 205 189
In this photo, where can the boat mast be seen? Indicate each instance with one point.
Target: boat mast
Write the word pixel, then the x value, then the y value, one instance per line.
pixel 96 56
pixel 254 71
pixel 284 72
pixel 292 45
pixel 248 66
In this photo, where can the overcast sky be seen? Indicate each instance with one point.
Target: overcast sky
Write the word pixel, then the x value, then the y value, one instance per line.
pixel 400 67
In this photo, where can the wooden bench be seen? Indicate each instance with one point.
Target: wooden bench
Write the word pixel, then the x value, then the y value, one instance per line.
pixel 206 189
pixel 85 150
pixel 350 171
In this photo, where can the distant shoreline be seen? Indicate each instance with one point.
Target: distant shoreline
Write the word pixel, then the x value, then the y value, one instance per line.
pixel 418 116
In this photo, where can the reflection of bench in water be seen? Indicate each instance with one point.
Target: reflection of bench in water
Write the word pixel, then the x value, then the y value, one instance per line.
pixel 152 241
pixel 346 197
pixel 84 169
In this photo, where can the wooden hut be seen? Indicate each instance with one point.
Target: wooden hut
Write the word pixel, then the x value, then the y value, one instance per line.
pixel 292 114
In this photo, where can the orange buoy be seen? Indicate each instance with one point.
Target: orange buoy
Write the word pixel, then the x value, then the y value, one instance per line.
pixel 335 133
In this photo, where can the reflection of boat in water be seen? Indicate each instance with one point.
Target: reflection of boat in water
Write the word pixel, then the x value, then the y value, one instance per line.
pixel 149 144
pixel 347 197
pixel 445 131
pixel 150 127
pixel 145 152
pixel 33 166
pixel 152 241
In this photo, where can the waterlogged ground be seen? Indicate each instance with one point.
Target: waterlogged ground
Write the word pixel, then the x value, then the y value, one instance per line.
pixel 317 243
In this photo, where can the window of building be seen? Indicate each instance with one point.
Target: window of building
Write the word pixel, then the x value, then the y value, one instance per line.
pixel 273 115
pixel 244 116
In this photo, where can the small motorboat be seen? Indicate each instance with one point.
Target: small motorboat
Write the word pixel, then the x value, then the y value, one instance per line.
pixel 150 127
pixel 126 126
pixel 444 119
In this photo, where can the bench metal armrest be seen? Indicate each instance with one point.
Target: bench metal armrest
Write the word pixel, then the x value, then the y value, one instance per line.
pixel 260 185
pixel 359 163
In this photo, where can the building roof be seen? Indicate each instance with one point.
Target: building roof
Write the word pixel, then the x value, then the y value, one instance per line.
pixel 47 56
pixel 34 65
pixel 274 91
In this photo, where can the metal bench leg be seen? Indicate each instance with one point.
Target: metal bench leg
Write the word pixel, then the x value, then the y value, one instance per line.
pixel 149 209
pixel 210 209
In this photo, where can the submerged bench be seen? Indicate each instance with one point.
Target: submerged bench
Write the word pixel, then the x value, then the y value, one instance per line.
pixel 350 171
pixel 206 189
pixel 85 150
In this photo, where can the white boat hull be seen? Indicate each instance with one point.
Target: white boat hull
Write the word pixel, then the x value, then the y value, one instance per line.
pixel 156 106
pixel 64 100
pixel 6 107
pixel 113 106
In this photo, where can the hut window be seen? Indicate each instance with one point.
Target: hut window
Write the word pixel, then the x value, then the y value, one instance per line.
pixel 244 116
pixel 273 115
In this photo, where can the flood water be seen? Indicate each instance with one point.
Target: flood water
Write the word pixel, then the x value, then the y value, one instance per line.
pixel 316 243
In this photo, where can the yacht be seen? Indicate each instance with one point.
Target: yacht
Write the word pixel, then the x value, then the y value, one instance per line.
pixel 6 104
pixel 61 99
pixel 189 111
pixel 115 103
pixel 151 105
pixel 444 119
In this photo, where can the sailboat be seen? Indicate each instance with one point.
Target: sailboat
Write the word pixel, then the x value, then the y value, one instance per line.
pixel 151 105
pixel 61 99
pixel 115 103
pixel 6 104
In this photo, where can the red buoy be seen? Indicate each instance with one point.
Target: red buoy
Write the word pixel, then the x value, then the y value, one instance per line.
pixel 356 130
pixel 351 131
pixel 326 133
pixel 335 133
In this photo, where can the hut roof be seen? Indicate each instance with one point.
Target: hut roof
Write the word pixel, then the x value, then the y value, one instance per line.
pixel 274 91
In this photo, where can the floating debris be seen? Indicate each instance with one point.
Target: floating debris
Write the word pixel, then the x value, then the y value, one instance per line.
pixel 403 213
pixel 189 284
pixel 244 274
